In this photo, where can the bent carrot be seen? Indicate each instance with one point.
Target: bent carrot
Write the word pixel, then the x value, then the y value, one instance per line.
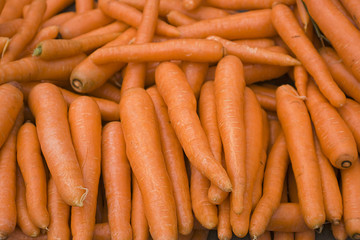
pixel 336 139
pixel 54 6
pixel 49 108
pixel 195 74
pixel 139 223
pixel 296 124
pixel 32 169
pixel 136 109
pixel 177 18
pixel 179 97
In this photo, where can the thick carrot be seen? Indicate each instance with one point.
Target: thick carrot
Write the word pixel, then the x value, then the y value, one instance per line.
pixel 345 40
pixel 307 235
pixel 338 231
pixel 283 236
pixel 114 27
pixel 193 50
pixel 245 5
pixel 49 108
pixel 23 218
pixel 335 137
pixel 59 214
pixel 136 109
pixel 260 72
pixel 54 6
pixel 286 25
pixel 8 186
pixel 12 9
pixel 117 180
pixel 350 179
pixel 224 231
pixel 350 113
pixel 274 176
pixel 10 28
pixel 296 124
pixel 340 5
pixel 58 19
pixel 251 24
pixel 229 96
pixel 83 23
pixel 257 42
pixel 83 5
pixel 107 91
pixel 88 76
pixel 139 223
pixel 195 74
pixel 353 9
pixel 341 74
pixel 181 103
pixel 177 18
pixel 254 54
pixel 175 164
pixel 32 169
pixel 133 17
pixel 11 102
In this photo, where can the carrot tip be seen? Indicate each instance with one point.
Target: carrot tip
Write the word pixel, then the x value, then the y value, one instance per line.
pixel 336 222
pixel 77 84
pixel 37 51
pixel 302 97
pixel 346 164
pixel 319 229
pixel 81 202
pixel 356 236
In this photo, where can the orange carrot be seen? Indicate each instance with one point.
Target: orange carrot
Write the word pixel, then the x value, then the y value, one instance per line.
pixel 102 231
pixel 224 227
pixel 107 91
pixel 292 112
pixel 136 109
pixel 353 9
pixel 301 79
pixel 17 234
pixel 286 25
pixel 10 28
pixel 265 96
pixel 114 27
pixel 117 180
pixel 8 186
pixel 260 72
pixel 58 19
pixel 335 137
pixel 191 4
pixel 177 18
pixel 181 103
pixel 304 15
pixel 83 23
pixel 275 129
pixel 55 6
pixel 246 5
pixel 257 42
pixel 83 6
pixel 11 102
pixel 229 92
pixel 200 235
pixel 59 214
pixel 23 218
pixel 175 164
pixel 338 231
pixel 283 236
pixel 195 74
pixel 292 187
pixel 49 108
pixel 32 169
pixel 307 235
pixel 12 9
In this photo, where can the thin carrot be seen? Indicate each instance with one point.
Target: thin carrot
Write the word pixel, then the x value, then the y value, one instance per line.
pixel 265 96
pixel 11 102
pixel 10 28
pixel 17 234
pixel 335 137
pixel 83 23
pixel 265 236
pixel 114 27
pixel 195 74
pixel 3 43
pixel 191 4
pixel 83 6
pixel 59 214
pixel 301 79
pixel 341 74
pixel 292 187
pixel 107 91
pixel 175 164
pixel 58 19
pixel 8 186
pixel 251 24
pixel 200 235
pixel 286 25
pixel 229 92
pixel 247 4
pixel 353 10
pixel 338 231
pixel 275 129
pixel 87 76
pixel 257 42
pixel 136 109
pixel 186 237
pixel 283 236
pixel 260 72
pixel 304 15
pixel 32 169
pixel 296 124
pixel 49 108
pixel 307 235
pixel 12 9
pixel 224 231
pixel 54 6
pixel 177 18
pixel 23 218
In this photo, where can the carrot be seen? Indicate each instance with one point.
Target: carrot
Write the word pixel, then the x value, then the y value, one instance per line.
pixel 54 6
pixel 12 9
pixel 107 91
pixel 292 112
pixel 330 187
pixel 301 79
pixel 251 24
pixel 26 31
pixel 246 5
pixel 338 231
pixel 11 102
pixel 186 237
pixel 224 231
pixel 254 54
pixel 83 23
pixel 257 42
pixel 85 127
pixel 265 236
pixel 114 27
pixel 265 96
pixel 254 147
pixel 303 14
pixel 87 76
pixel 17 234
pixel 181 103
pixel 139 223
pixel 275 129
pixel 136 109
pixel 286 25
pixel 177 18
pixel 292 187
pixel 23 218
pixel 345 40
pixel 208 119
pixel 10 28
pixel 59 214
pixel 8 187
pixel 175 164
pixel 193 50
pixel 82 6
pixel 32 169
pixel 229 92
pixel 102 231
pixel 254 73
pixel 49 108
pixel 336 139
pixel 275 172
pixel 353 10
pixel 341 74
pixel 307 235
pixel 117 180
pixel 191 4
pixel 349 113
pixel 200 235
pixel 350 179
pixel 195 74
pixel 130 15
pixel 339 4
pixel 51 49
pixel 57 20
pixel 283 236
pixel 4 41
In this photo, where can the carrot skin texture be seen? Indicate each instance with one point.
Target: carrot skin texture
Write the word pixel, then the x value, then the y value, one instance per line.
pixel 224 227
pixel 136 109
pixel 193 140
pixel 246 5
pixel 139 223
pixel 102 231
pixel 195 74
pixel 350 112
pixel 117 180
pixel 47 104
pixel 54 6
pixel 338 231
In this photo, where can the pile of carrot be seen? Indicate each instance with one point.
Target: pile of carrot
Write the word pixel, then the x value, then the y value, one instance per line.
pixel 166 119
